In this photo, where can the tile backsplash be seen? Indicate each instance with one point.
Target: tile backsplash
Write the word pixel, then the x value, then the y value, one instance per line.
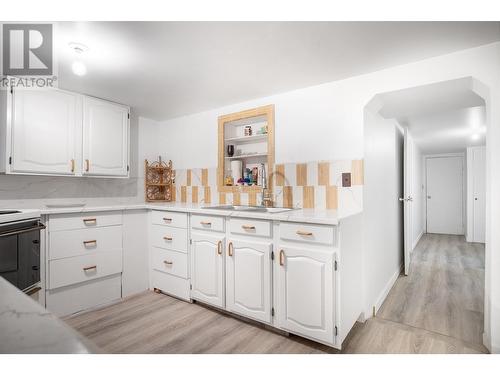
pixel 315 184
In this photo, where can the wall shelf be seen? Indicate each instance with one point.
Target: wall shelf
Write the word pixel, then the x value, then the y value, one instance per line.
pixel 247 139
pixel 236 157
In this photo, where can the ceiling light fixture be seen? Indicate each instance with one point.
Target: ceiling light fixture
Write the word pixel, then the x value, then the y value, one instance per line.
pixel 79 68
pixel 475 136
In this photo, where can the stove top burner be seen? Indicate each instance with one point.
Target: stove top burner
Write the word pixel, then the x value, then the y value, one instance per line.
pixel 4 212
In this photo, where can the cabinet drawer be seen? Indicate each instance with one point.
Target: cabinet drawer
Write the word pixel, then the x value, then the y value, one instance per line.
pixel 169 284
pixel 68 243
pixel 172 219
pixel 250 227
pixel 319 234
pixel 169 261
pixel 81 221
pixel 213 223
pixel 169 238
pixel 74 270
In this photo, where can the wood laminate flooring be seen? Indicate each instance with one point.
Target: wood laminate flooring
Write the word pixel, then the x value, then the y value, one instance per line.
pixel 436 309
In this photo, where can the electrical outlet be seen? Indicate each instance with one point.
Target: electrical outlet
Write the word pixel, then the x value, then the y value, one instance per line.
pixel 346 180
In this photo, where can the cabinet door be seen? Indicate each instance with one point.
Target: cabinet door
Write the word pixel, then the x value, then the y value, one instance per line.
pixel 248 279
pixel 43 129
pixel 207 268
pixel 306 292
pixel 105 138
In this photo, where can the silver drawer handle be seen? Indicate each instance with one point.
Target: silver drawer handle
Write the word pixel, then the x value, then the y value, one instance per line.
pixel 89 268
pixel 303 233
pixel 168 263
pixel 92 242
pixel 167 238
pixel 248 227
pixel 206 223
pixel 167 219
pixel 90 221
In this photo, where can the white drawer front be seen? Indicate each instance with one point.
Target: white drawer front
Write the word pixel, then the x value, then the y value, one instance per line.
pixel 169 261
pixel 74 270
pixel 169 284
pixel 86 220
pixel 213 223
pixel 319 234
pixel 250 227
pixel 169 238
pixel 70 243
pixel 173 219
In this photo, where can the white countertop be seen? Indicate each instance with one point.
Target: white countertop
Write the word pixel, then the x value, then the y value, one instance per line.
pixel 26 327
pixel 327 217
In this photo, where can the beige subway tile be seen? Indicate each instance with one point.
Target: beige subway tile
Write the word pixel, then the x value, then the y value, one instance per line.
pixel 188 177
pixel 331 198
pixel 301 174
pixel 222 198
pixel 194 194
pixel 288 196
pixel 236 199
pixel 357 171
pixel 280 175
pixel 252 199
pixel 204 177
pixel 324 173
pixel 308 198
pixel 183 194
pixel 207 196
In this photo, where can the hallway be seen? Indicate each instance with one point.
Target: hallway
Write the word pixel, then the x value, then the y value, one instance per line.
pixel 442 298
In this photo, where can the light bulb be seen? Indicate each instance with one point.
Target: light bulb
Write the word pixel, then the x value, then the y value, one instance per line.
pixel 79 68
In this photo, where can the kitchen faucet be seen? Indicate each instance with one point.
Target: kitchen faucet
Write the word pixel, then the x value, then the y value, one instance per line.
pixel 267 200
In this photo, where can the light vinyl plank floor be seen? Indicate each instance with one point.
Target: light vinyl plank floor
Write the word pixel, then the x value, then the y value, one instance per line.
pixel 436 309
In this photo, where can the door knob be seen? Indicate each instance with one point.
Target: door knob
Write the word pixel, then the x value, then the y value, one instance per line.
pixel 428 197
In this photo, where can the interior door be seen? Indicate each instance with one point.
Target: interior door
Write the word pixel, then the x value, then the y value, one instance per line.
pixel 479 194
pixel 105 138
pixel 207 273
pixel 306 292
pixel 248 279
pixel 444 177
pixel 44 125
pixel 407 198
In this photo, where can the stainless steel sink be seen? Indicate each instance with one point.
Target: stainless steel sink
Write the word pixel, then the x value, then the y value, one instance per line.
pixel 231 207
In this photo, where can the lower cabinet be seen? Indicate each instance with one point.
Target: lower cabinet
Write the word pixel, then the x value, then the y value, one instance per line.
pixel 306 292
pixel 207 268
pixel 248 279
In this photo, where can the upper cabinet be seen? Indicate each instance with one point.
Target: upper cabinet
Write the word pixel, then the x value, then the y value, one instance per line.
pixel 105 138
pixel 61 133
pixel 246 143
pixel 43 131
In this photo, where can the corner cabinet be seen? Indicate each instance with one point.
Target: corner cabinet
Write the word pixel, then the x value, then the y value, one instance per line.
pixel 105 138
pixel 62 133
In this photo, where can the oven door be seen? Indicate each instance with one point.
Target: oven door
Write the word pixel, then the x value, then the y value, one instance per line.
pixel 20 254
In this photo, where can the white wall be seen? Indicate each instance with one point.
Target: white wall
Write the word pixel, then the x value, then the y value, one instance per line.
pixel 382 211
pixel 417 193
pixel 325 122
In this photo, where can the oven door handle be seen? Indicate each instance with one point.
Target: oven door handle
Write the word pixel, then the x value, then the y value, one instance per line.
pixel 39 226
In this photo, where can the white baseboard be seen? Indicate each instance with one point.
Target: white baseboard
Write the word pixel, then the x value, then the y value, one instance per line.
pixel 415 243
pixel 383 295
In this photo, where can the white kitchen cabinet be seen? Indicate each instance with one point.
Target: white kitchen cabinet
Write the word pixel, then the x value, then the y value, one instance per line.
pixel 248 278
pixel 306 292
pixel 105 138
pixel 43 130
pixel 207 268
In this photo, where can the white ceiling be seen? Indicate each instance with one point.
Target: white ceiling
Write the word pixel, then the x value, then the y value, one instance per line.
pixel 168 69
pixel 441 117
pixel 449 131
